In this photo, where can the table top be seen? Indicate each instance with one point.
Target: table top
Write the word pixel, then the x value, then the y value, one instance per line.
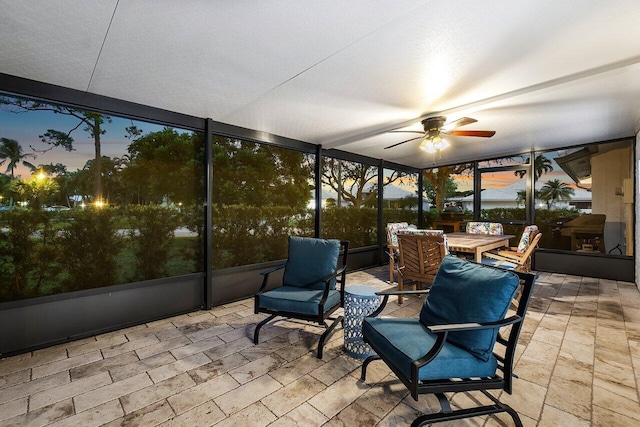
pixel 467 240
pixel 361 291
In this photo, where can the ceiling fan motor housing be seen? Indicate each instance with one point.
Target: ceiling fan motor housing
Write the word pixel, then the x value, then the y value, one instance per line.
pixel 432 125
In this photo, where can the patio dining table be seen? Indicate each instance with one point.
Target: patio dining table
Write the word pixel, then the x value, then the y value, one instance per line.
pixel 477 243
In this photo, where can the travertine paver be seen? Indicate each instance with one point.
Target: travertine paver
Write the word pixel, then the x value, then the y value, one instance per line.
pixel 109 392
pixel 578 364
pixel 47 397
pixel 155 393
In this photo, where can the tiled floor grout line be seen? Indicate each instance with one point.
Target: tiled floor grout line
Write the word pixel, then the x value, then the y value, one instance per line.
pixel 635 369
pixel 555 363
pixel 593 371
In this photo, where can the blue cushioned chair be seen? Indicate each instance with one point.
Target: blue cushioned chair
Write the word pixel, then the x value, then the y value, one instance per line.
pixel 309 288
pixel 450 346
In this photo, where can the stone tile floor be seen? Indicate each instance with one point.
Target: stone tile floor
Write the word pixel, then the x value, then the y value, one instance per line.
pixel 578 363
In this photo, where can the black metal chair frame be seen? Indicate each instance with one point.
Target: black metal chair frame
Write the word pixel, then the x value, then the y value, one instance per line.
pixel 502 381
pixel 322 316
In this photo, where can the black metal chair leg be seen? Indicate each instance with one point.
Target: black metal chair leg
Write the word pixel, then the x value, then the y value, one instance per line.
pixel 464 413
pixel 256 333
pixel 366 362
pixel 516 418
pixel 326 334
pixel 444 402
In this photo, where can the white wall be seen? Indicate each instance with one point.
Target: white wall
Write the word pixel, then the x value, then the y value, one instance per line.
pixel 636 257
pixel 609 168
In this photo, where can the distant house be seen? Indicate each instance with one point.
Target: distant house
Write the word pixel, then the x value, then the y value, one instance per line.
pixel 507 197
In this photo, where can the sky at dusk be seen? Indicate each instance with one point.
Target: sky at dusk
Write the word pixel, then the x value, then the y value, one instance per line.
pixel 496 180
pixel 26 128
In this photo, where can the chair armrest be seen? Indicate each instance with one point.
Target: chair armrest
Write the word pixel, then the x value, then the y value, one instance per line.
pixel 328 279
pixel 454 327
pixel 442 331
pixel 266 273
pixel 336 274
pixel 396 292
pixel 500 257
pixel 510 255
pixel 385 298
pixel 272 269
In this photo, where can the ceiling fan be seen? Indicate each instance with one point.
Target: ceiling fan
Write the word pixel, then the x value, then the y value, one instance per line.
pixel 435 127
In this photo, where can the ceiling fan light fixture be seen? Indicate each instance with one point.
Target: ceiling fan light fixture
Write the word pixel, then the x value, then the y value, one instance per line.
pixel 427 145
pixel 440 143
pixel 432 144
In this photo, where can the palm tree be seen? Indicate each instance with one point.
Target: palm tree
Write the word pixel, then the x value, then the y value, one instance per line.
pixel 555 190
pixel 10 150
pixel 541 166
pixel 520 197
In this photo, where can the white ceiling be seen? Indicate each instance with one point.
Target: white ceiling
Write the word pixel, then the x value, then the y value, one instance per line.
pixel 541 73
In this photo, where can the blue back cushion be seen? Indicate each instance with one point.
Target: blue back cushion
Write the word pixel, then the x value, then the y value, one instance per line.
pixel 309 261
pixel 465 292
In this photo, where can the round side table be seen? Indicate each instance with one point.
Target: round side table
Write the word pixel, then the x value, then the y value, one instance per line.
pixel 359 301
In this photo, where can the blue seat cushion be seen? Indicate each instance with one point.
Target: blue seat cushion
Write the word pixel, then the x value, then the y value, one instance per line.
pixel 465 292
pixel 297 300
pixel 309 261
pixel 402 341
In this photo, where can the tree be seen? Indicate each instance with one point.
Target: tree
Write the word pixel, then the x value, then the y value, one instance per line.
pixel 36 189
pixel 438 177
pixel 11 152
pixel 93 124
pixel 541 165
pixel 555 190
pixel 521 197
pixel 355 183
pixel 111 177
pixel 56 170
pixel 450 190
pixel 164 165
pixel 247 173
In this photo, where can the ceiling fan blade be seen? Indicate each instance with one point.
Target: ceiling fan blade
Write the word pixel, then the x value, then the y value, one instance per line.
pixel 400 143
pixel 463 121
pixel 478 133
pixel 407 131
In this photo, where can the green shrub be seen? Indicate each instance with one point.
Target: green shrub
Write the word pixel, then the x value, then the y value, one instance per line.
pixel 357 225
pixel 27 253
pixel 248 235
pixel 89 248
pixel 152 235
pixel 192 218
pixel 399 215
